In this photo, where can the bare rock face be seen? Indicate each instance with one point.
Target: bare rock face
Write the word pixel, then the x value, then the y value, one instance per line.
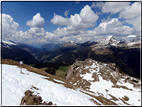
pixel 76 67
pixel 30 99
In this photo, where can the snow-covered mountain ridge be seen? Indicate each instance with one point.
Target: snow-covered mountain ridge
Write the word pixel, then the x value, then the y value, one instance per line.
pixel 105 80
pixel 129 41
pixel 8 44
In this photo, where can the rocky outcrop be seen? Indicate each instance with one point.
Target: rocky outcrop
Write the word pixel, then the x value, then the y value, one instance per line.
pixel 104 80
pixel 30 99
pixel 81 73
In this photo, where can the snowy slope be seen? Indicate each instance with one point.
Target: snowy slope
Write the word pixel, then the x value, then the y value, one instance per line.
pixel 9 42
pixel 14 84
pixel 99 77
pixel 131 41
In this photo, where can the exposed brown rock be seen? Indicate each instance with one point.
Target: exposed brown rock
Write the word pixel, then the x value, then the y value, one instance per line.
pixel 30 99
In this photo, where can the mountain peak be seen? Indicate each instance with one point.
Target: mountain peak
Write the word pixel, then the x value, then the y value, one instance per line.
pixel 109 37
pixel 68 44
pixel 110 40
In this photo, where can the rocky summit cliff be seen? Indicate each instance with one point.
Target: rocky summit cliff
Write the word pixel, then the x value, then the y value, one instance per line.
pixel 105 80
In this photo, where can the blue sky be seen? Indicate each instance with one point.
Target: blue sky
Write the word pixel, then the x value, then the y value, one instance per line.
pixel 45 22
pixel 24 11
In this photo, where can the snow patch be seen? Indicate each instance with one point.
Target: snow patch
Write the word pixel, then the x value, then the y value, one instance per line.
pixel 87 76
pixel 133 43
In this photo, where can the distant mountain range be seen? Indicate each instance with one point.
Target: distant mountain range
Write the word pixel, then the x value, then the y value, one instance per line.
pixel 110 40
pixel 125 53
pixel 19 51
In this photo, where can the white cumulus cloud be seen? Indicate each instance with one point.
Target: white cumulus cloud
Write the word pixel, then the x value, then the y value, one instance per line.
pixel 132 15
pixel 114 7
pixel 85 19
pixel 9 26
pixel 33 36
pixel 131 11
pixel 59 20
pixel 35 31
pixel 75 26
pixel 113 27
pixel 88 16
pixel 37 21
pixel 97 5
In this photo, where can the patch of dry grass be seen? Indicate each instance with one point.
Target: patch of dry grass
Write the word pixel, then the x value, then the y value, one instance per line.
pixel 95 102
pixel 43 69
pixel 124 101
pixel 112 97
pixel 60 73
pixel 102 99
pixel 30 68
pixel 119 86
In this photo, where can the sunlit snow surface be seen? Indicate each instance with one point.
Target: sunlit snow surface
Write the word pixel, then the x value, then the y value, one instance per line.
pixel 14 84
pixel 9 43
pixel 134 96
pixel 101 86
